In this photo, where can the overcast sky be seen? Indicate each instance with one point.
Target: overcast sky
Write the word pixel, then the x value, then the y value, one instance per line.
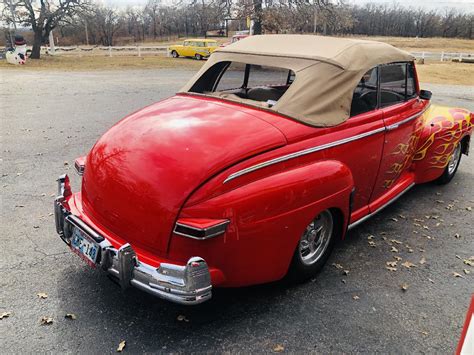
pixel 461 5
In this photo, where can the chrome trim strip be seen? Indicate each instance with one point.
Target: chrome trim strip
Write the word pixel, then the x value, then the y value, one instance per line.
pixel 363 219
pixel 301 153
pixel 78 223
pixel 406 120
pixel 223 224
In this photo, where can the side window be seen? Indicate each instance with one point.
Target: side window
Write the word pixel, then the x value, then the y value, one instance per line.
pixel 267 76
pixel 393 84
pixel 232 78
pixel 364 98
pixel 186 43
pixel 411 85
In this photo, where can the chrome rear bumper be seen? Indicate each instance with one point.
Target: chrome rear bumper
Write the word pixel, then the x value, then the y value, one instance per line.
pixel 189 284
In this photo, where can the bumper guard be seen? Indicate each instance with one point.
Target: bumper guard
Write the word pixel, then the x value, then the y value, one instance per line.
pixel 189 284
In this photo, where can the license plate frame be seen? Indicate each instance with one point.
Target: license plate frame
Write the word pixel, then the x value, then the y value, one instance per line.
pixel 84 246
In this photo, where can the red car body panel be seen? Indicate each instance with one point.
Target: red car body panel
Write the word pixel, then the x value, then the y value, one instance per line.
pixel 139 174
pixel 173 161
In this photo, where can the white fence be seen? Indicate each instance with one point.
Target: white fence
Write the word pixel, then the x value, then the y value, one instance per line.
pixel 442 56
pixel 164 50
pixel 114 50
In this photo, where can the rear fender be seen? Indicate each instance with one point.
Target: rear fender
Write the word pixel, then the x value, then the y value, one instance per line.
pixel 267 218
pixel 443 128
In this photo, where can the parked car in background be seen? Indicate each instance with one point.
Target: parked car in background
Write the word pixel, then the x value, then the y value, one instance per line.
pixel 276 148
pixel 195 48
pixel 235 38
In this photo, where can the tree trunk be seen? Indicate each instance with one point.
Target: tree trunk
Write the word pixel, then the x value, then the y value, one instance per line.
pixel 257 25
pixel 38 40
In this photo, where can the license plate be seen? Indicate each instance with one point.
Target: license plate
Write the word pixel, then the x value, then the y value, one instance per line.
pixel 83 246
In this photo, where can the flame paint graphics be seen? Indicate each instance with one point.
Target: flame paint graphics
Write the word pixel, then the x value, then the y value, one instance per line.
pixel 447 126
pixel 433 141
pixel 404 153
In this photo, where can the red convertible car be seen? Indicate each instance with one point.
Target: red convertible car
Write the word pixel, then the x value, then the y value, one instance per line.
pixel 271 152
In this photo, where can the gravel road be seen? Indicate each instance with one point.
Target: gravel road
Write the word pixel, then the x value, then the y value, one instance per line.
pixel 50 118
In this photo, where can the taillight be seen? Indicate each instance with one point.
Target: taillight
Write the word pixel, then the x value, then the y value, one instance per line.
pixel 79 165
pixel 200 228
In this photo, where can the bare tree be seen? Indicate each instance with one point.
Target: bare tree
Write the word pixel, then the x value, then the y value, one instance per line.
pixel 43 16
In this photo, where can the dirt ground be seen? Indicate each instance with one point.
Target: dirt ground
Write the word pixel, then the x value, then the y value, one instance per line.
pixel 48 118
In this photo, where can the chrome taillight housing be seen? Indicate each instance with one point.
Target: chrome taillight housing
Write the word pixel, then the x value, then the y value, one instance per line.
pixel 200 228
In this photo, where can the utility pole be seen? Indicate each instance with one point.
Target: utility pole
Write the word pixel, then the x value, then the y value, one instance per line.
pixel 87 33
pixel 52 48
pixel 315 20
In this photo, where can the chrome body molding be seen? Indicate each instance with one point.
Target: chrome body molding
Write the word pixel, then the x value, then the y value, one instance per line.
pixel 301 153
pixel 321 147
pixel 184 284
pixel 406 120
pixel 363 219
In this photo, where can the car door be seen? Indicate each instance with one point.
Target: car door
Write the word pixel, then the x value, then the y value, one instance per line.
pixel 363 155
pixel 401 111
pixel 183 51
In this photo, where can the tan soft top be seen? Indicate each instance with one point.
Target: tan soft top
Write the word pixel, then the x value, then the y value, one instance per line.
pixel 327 71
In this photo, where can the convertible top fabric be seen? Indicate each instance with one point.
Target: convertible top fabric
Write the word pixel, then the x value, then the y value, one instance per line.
pixel 327 70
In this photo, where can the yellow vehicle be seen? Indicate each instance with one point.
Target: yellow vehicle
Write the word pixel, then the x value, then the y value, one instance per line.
pixel 196 48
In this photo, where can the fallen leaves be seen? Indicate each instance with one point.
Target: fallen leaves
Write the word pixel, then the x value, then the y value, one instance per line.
pixel 70 316
pixel 372 243
pixel 469 208
pixel 408 264
pixel 469 261
pixel 466 271
pixel 278 348
pixel 46 321
pixel 404 287
pixel 121 346
pixel 182 318
pixel 397 258
pixel 422 261
pixel 5 315
pixel 42 295
pixel 456 274
pixel 391 263
pixel 457 236
pixel 394 250
pixel 391 268
pixel 337 266
pixel 395 241
pixel 355 297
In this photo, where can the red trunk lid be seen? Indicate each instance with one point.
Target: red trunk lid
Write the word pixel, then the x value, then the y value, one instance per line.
pixel 139 173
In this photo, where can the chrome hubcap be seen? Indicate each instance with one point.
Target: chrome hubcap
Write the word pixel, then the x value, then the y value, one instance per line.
pixel 453 161
pixel 316 237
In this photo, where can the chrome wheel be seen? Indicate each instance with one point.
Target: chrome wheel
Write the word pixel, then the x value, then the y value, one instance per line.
pixel 316 238
pixel 454 160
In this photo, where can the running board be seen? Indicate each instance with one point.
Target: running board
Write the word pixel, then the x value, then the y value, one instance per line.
pixel 363 219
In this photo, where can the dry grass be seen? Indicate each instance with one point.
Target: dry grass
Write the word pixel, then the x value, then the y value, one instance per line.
pixel 90 63
pixel 435 44
pixel 446 73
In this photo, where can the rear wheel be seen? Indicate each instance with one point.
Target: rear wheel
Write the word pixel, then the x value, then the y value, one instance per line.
pixel 174 54
pixel 198 56
pixel 452 166
pixel 315 246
